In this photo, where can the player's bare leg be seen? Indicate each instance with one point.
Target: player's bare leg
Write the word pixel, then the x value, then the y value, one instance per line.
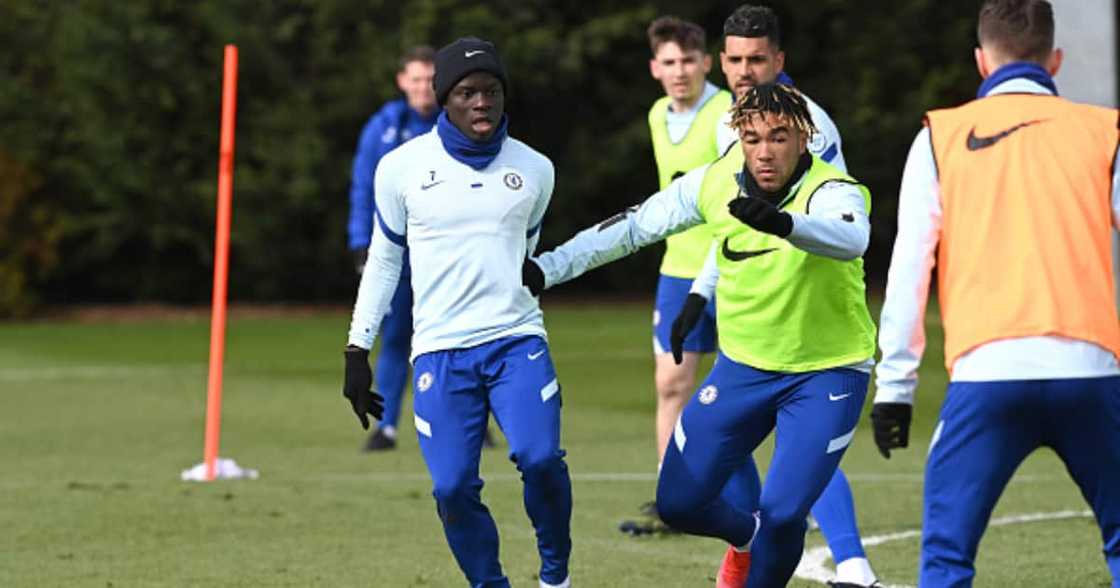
pixel 674 385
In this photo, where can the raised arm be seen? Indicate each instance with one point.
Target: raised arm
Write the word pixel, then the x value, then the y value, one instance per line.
pixel 669 211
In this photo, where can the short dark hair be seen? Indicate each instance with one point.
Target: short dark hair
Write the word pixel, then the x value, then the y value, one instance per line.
pixel 1022 30
pixel 421 53
pixel 754 21
pixel 670 29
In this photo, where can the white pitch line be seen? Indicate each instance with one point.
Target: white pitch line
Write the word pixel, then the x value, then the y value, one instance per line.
pixel 813 568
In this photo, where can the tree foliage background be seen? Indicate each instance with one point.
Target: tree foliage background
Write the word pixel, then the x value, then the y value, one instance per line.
pixel 109 125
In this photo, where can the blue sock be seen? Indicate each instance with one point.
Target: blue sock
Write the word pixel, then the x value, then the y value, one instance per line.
pixel 391 372
pixel 835 512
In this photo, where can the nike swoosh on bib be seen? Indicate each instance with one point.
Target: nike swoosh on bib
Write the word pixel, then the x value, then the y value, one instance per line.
pixel 733 255
pixel 974 143
pixel 470 54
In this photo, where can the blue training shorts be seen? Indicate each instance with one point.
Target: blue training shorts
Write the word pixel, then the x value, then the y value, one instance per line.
pixel 671 294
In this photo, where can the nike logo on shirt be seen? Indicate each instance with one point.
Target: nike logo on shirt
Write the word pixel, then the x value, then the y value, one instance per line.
pixel 533 356
pixel 733 255
pixel 974 143
pixel 431 185
pixel 470 54
pixel 834 398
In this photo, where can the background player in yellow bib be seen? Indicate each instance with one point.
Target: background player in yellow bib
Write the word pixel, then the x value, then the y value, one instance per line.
pixel 682 126
pixel 796 340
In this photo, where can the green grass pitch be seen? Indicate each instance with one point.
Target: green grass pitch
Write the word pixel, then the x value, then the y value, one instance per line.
pixel 98 418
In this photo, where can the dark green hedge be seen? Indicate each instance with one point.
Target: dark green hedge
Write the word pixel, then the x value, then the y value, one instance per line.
pixel 109 110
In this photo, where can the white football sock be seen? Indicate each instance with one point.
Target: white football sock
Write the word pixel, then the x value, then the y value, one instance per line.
pixel 856 570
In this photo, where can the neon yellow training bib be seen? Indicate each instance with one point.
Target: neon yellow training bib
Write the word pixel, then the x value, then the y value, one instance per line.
pixel 685 252
pixel 780 308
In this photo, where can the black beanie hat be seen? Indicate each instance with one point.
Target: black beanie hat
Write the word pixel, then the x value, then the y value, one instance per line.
pixel 461 58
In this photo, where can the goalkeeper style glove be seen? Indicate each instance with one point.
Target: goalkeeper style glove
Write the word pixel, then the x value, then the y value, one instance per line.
pixel 532 277
pixel 358 385
pixel 891 421
pixel 760 215
pixel 686 320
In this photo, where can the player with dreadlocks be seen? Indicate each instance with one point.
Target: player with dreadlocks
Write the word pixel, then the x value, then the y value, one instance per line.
pixel 795 337
pixel 834 510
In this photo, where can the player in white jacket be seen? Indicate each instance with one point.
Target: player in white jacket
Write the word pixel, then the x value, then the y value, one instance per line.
pixel 467 200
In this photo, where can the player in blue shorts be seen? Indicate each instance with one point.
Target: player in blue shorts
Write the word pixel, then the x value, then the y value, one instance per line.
pixel 682 126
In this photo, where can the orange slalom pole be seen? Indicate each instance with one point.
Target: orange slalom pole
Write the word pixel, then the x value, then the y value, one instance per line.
pixel 221 262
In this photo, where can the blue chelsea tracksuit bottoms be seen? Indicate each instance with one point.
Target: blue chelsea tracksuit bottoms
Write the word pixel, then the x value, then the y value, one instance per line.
pixel 699 490
pixel 455 391
pixel 986 430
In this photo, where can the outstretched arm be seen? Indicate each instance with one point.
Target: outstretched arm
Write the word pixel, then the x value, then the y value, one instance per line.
pixel 669 211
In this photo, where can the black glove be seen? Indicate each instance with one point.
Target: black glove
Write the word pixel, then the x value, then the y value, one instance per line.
pixel 532 277
pixel 357 386
pixel 360 259
pixel 891 421
pixel 760 215
pixel 686 320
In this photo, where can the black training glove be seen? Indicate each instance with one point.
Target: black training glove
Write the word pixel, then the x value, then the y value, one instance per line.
pixel 759 214
pixel 360 259
pixel 357 386
pixel 686 320
pixel 891 421
pixel 532 277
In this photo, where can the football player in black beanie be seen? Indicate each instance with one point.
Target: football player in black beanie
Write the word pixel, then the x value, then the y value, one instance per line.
pixel 467 201
pixel 465 69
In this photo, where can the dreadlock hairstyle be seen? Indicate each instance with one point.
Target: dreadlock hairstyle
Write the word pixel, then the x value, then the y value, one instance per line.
pixel 774 98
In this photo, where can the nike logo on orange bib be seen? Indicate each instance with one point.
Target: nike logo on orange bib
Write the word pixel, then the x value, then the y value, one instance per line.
pixel 733 255
pixel 974 143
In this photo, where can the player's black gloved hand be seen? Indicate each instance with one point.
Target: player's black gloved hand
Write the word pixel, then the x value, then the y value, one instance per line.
pixel 761 215
pixel 360 259
pixel 358 384
pixel 532 277
pixel 891 421
pixel 686 320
